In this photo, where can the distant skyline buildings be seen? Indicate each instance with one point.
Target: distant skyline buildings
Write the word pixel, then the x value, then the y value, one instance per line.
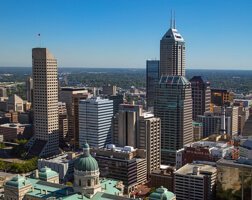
pixel 133 25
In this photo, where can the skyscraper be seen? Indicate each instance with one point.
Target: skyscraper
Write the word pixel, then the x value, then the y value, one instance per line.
pixel 173 105
pixel 45 102
pixel 95 122
pixel 152 77
pixel 201 96
pixel 126 125
pixel 71 96
pixel 29 89
pixel 172 53
pixel 173 100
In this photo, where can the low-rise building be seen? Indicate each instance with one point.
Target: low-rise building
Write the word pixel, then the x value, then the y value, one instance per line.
pixel 127 163
pixel 87 184
pixel 195 181
pixel 197 131
pixel 205 151
pixel 163 177
pixel 13 131
pixel 62 164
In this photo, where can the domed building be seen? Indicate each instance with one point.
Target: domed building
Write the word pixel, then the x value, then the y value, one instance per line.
pixel 162 194
pixel 86 174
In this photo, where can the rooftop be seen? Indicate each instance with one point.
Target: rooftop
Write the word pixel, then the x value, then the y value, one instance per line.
pixel 42 189
pixel 14 125
pixel 174 80
pixel 203 169
pixel 173 34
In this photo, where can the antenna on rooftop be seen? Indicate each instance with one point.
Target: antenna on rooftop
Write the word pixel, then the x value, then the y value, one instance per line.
pixel 171 20
pixel 174 20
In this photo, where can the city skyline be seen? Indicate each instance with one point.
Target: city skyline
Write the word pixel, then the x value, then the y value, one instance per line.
pixel 130 32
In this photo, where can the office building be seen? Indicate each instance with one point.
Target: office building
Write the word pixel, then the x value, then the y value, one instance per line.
pixel 197 131
pixel 63 121
pixel 14 131
pixel 126 163
pixel 221 97
pixel 152 77
pixel 62 164
pixel 173 105
pixel 163 177
pixel 172 53
pixel 148 138
pixel 29 89
pixel 195 181
pixel 109 90
pixel 126 125
pixel 212 124
pixel 133 127
pixel 15 103
pixel 117 100
pixel 71 96
pixel 205 151
pixel 45 103
pixel 95 121
pixel 3 92
pixel 201 96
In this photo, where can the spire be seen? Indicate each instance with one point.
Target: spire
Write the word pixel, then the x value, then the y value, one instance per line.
pixel 171 21
pixel 174 20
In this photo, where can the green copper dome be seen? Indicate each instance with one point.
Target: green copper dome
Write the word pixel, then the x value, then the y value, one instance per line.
pixel 161 194
pixel 86 162
pixel 18 181
pixel 46 172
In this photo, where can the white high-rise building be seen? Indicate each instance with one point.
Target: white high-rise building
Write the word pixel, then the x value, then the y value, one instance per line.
pixel 45 102
pixel 172 53
pixel 95 122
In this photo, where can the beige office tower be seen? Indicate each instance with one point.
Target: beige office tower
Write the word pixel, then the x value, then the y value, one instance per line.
pixel 133 127
pixel 172 53
pixel 125 125
pixel 71 96
pixel 149 139
pixel 63 121
pixel 45 102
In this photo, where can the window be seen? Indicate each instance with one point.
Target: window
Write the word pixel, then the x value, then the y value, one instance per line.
pixel 79 182
pixel 89 182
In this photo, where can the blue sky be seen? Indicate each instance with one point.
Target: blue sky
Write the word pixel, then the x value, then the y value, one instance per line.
pixel 124 33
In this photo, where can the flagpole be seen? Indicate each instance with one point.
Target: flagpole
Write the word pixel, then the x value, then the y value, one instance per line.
pixel 39 40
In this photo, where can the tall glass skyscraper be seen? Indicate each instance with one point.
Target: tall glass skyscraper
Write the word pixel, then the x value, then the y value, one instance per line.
pixel 152 77
pixel 173 100
pixel 95 122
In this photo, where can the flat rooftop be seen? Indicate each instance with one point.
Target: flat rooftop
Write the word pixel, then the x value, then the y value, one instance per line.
pixel 202 168
pixel 14 125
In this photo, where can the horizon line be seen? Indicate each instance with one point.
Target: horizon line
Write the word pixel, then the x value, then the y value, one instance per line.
pixel 105 67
